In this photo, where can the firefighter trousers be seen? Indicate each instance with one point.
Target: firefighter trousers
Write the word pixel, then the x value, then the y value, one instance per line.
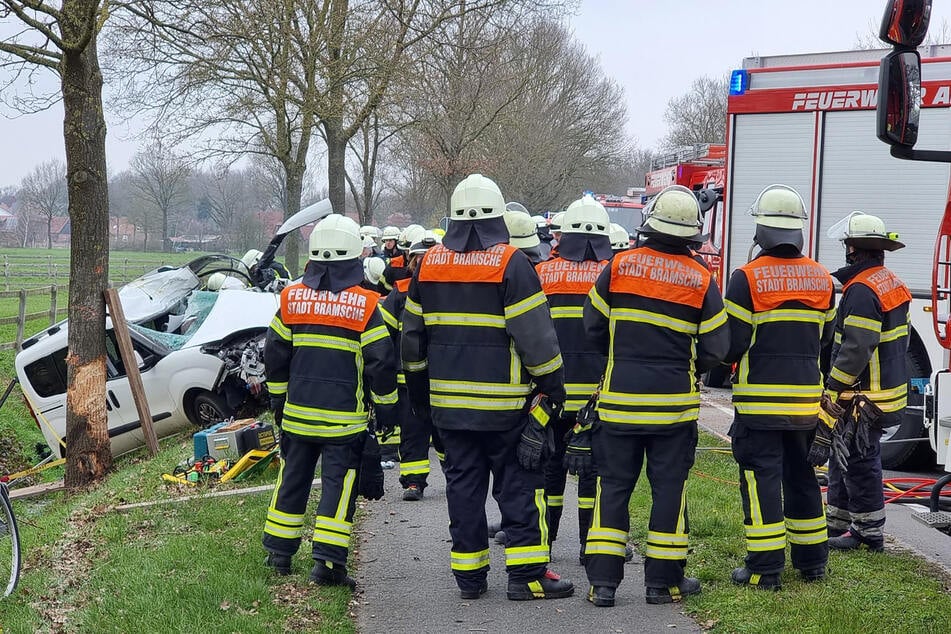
pixel 856 501
pixel 340 462
pixel 471 456
pixel 415 436
pixel 781 499
pixel 619 456
pixel 556 476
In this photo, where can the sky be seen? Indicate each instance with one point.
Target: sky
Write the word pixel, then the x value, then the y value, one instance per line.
pixel 653 48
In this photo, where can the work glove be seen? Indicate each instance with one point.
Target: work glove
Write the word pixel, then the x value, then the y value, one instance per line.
pixel 867 417
pixel 579 459
pixel 277 407
pixel 830 414
pixel 417 387
pixel 371 472
pixel 387 420
pixel 538 440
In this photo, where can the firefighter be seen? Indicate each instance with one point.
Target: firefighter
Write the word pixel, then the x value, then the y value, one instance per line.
pixel 326 345
pixel 620 238
pixel 396 266
pixel 476 334
pixel 781 308
pixel 415 431
pixel 388 240
pixel 522 234
pixel 373 268
pixel 584 251
pixel 867 376
pixel 657 314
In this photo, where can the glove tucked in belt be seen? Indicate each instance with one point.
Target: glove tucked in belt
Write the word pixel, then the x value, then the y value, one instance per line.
pixel 579 459
pixel 827 441
pixel 538 439
pixel 867 418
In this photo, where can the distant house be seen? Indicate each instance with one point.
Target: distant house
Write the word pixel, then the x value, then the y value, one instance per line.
pixel 60 229
pixel 8 220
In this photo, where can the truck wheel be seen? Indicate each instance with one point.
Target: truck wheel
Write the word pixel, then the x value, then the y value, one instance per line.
pixel 910 455
pixel 209 408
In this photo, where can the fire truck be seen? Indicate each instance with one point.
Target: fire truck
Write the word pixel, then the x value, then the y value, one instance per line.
pixel 623 210
pixel 808 121
pixel 695 167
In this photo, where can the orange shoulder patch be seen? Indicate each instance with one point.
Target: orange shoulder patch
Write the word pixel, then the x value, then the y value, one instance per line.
pixel 351 308
pixel 564 277
pixel 444 265
pixel 774 281
pixel 891 291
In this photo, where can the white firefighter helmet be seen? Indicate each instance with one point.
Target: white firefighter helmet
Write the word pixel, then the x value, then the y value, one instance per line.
pixel 540 222
pixel 514 206
pixel 586 215
pixel 373 268
pixel 252 257
pixel 780 207
pixel 556 221
pixel 425 243
pixel 476 198
pixel 522 231
pixel 620 238
pixel 216 281
pixel 673 212
pixel 369 242
pixel 864 231
pixel 369 230
pixel 335 238
pixel 390 233
pixel 410 236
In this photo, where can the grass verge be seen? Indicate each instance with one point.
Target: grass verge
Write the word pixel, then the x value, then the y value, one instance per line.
pixel 889 592
pixel 167 568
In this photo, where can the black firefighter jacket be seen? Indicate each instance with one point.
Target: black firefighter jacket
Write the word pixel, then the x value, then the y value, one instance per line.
pixel 782 310
pixel 871 339
pixel 658 316
pixel 320 349
pixel 477 323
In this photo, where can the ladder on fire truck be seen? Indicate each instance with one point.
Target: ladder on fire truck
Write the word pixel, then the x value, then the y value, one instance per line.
pixel 699 154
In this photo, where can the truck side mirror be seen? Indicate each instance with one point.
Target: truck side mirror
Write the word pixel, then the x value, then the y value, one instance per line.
pixel 905 22
pixel 899 98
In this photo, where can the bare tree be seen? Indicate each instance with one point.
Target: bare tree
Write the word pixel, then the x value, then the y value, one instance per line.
pixel 368 147
pixel 699 116
pixel 43 192
pixel 60 36
pixel 161 178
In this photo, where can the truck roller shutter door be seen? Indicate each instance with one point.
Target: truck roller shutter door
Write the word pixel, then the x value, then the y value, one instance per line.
pixel 858 173
pixel 768 148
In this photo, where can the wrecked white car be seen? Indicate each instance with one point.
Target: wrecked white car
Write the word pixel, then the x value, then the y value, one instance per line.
pixel 200 352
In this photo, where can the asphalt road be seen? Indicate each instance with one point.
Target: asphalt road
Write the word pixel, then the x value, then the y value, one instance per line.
pixel 405 584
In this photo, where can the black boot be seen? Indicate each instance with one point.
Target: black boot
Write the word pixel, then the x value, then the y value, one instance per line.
pixel 474 593
pixel 813 574
pixel 743 576
pixel 329 574
pixel 548 586
pixel 669 594
pixel 280 564
pixel 853 541
pixel 602 596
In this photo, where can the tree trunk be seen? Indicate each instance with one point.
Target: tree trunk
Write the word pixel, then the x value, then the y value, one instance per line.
pixel 166 245
pixel 336 168
pixel 49 232
pixel 294 178
pixel 89 456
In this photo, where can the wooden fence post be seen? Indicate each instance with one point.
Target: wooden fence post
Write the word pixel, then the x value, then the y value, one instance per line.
pixel 21 319
pixel 49 266
pixel 6 273
pixel 127 352
pixel 52 304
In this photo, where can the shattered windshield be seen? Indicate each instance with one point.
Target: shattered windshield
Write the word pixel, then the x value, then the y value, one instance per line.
pixel 180 326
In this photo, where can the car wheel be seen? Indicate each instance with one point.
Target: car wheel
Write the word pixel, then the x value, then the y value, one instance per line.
pixel 209 408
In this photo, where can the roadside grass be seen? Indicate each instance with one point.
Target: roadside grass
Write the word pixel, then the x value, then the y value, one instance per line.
pixel 178 567
pixel 889 592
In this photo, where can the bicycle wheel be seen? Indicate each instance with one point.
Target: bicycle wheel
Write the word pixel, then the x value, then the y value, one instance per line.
pixel 9 544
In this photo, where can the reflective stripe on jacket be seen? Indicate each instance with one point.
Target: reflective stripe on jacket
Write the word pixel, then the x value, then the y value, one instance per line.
pixel 781 310
pixel 871 339
pixel 478 321
pixel 658 316
pixel 318 350
pixel 567 284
